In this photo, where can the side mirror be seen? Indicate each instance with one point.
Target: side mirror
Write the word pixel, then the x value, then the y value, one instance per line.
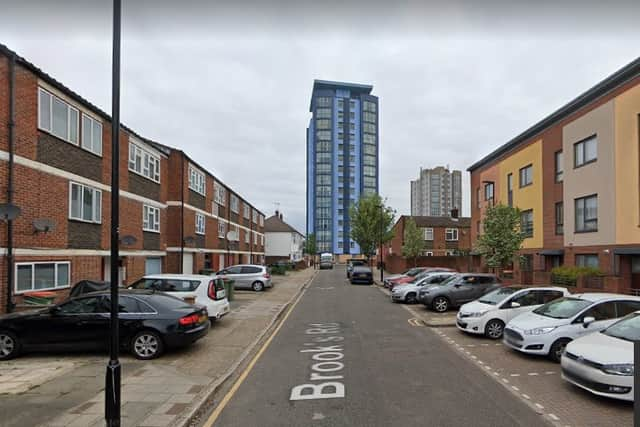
pixel 515 304
pixel 587 321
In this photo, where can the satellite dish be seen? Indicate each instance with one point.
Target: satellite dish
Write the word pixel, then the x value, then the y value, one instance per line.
pixel 9 211
pixel 44 225
pixel 128 240
pixel 231 235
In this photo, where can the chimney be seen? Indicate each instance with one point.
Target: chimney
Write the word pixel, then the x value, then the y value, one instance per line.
pixel 277 213
pixel 281 217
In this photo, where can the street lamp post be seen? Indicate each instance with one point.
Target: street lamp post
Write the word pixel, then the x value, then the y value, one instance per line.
pixel 380 242
pixel 113 375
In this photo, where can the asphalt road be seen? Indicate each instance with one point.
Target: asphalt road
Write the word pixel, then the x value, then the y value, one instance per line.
pixel 384 371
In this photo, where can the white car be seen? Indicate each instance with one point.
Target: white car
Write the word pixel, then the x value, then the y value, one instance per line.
pixel 204 290
pixel 602 363
pixel 488 314
pixel 547 329
pixel 409 292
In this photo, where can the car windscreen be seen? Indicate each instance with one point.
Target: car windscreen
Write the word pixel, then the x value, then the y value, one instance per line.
pixel 494 297
pixel 167 285
pixel 563 308
pixel 449 280
pixel 414 272
pixel 627 329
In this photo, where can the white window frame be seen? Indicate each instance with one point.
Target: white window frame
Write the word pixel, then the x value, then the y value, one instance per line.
pixel 222 229
pixel 255 216
pixel 96 206
pixel 214 209
pixel 255 238
pixel 197 180
pixel 428 233
pixel 262 239
pixel 247 236
pixel 91 148
pixel 33 271
pixel 451 234
pixel 220 194
pixel 235 203
pixel 236 230
pixel 247 211
pixel 69 127
pixel 201 222
pixel 150 225
pixel 261 220
pixel 428 253
pixel 146 157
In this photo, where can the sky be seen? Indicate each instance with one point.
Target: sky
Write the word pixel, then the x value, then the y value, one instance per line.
pixel 230 82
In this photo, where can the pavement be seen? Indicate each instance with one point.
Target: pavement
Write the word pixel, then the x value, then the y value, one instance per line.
pixel 345 356
pixel 68 390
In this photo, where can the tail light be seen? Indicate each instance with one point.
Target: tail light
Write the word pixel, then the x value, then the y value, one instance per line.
pixel 211 290
pixel 191 319
pixel 266 275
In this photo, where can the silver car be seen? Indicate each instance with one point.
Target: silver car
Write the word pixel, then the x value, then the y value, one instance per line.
pixel 247 276
pixel 408 292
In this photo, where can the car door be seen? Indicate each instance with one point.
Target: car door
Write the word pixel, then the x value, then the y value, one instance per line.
pixel 251 274
pixel 527 301
pixel 80 324
pixel 604 314
pixel 464 289
pixel 235 273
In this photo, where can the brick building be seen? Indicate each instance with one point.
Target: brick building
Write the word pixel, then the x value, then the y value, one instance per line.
pixel 447 243
pixel 575 177
pixel 58 155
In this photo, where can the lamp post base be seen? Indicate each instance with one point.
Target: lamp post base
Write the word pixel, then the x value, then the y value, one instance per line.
pixel 112 394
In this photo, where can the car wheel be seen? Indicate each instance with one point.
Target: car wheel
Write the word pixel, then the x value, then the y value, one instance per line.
pixel 257 286
pixel 9 345
pixel 557 348
pixel 494 329
pixel 440 304
pixel 147 345
pixel 411 298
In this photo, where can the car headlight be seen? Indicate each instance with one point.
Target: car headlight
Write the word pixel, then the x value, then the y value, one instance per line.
pixel 625 369
pixel 478 313
pixel 540 331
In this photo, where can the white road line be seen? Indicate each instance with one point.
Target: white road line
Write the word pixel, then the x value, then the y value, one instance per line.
pixel 532 374
pixel 480 362
pixel 526 397
pixel 496 373
pixel 487 367
pixel 539 406
pixel 471 345
pixel 506 381
pixel 485 345
pixel 549 373
pixel 474 357
pixel 498 344
pixel 515 388
pixel 514 375
pixel 553 417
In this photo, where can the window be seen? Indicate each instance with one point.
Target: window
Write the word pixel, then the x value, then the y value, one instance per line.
pixel 150 219
pixel 200 221
pixel 246 211
pixel 255 217
pixel 369 139
pixel 559 218
pixel 451 234
pixel 559 158
pixel 261 220
pixel 587 214
pixel 428 253
pixel 323 113
pixel 352 244
pixel 585 151
pixel 369 106
pixel 246 236
pixel 196 180
pixel 91 135
pixel 255 238
pixel 510 190
pixel 368 117
pixel 488 192
pixel 222 229
pixel 602 311
pixel 144 163
pixel 235 203
pixel 428 233
pixel 589 260
pixel 57 117
pixel 220 194
pixel 84 306
pixel 85 203
pixel 42 275
pixel 627 307
pixel 323 101
pixel 324 135
pixel 368 127
pixel 323 124
pixel 214 209
pixel 526 223
pixel 526 176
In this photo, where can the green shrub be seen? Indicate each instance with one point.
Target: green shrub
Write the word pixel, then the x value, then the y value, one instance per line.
pixel 278 270
pixel 568 276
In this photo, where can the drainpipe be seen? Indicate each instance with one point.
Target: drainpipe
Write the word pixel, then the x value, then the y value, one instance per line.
pixel 182 214
pixel 12 117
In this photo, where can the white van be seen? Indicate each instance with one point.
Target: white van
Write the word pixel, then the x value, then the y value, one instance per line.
pixel 326 261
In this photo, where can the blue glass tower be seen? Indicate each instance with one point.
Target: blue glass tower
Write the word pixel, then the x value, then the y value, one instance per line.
pixel 342 160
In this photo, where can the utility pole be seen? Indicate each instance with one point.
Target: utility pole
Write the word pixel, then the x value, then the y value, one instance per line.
pixel 113 375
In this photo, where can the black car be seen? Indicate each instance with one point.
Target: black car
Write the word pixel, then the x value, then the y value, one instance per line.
pixel 150 322
pixel 361 274
pixel 353 263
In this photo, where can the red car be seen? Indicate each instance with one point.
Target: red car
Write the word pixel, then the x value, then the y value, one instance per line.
pixel 407 279
pixel 412 272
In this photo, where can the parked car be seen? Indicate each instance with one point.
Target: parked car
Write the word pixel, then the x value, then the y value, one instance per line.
pixel 425 270
pixel 456 290
pixel 361 274
pixel 149 322
pixel 352 263
pixel 603 363
pixel 412 272
pixel 409 292
pixel 548 329
pixel 87 286
pixel 207 291
pixel 488 314
pixel 326 261
pixel 247 276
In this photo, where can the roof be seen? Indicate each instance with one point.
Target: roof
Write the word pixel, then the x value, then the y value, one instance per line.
pixel 439 221
pixel 274 224
pixel 617 79
pixel 61 87
pixel 356 88
pixel 599 296
pixel 177 276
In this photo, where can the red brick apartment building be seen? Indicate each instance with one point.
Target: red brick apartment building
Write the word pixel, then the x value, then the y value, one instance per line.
pixel 447 243
pixel 575 175
pixel 55 165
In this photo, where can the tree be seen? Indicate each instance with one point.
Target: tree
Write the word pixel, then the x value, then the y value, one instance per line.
pixel 502 236
pixel 310 246
pixel 413 245
pixel 371 223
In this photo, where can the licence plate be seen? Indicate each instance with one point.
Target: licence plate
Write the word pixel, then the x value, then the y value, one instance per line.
pixel 222 293
pixel 203 318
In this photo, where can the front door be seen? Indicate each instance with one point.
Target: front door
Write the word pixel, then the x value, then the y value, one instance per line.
pixel 526 270
pixel 187 263
pixel 635 272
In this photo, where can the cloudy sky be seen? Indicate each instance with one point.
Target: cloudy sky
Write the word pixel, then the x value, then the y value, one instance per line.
pixel 229 82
